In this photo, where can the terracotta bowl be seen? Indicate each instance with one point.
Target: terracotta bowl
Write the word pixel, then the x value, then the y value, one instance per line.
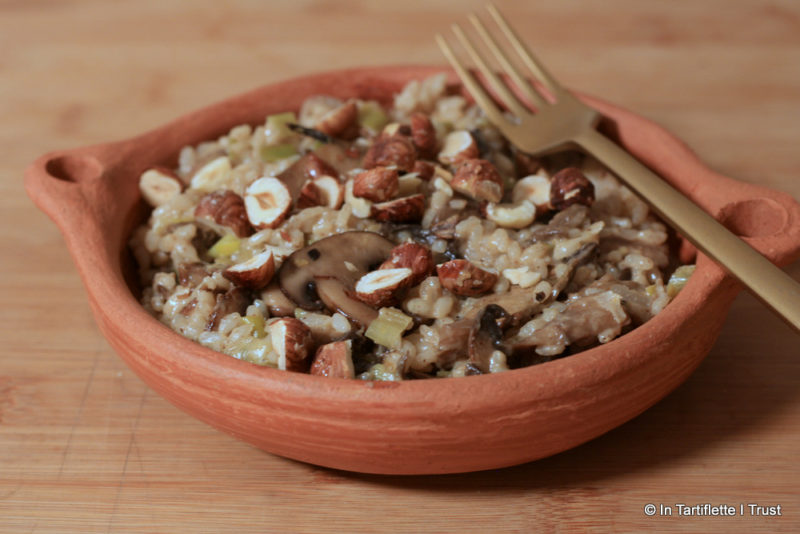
pixel 414 427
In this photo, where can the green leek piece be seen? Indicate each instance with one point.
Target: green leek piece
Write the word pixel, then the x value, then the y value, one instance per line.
pixel 372 116
pixel 388 328
pixel 273 153
pixel 380 373
pixel 253 351
pixel 225 247
pixel 679 279
pixel 257 322
pixel 179 220
pixel 276 126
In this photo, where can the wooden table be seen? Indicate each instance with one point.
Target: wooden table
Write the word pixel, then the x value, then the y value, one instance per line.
pixel 85 446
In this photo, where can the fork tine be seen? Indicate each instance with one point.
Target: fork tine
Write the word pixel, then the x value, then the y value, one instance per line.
pixel 475 89
pixel 509 67
pixel 497 84
pixel 526 55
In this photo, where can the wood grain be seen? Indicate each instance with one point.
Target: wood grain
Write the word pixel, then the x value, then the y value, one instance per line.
pixel 86 447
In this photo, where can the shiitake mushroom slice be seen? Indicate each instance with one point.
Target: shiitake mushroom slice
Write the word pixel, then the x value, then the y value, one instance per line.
pixel 344 257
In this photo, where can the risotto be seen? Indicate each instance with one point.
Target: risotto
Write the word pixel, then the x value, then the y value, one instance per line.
pixel 349 240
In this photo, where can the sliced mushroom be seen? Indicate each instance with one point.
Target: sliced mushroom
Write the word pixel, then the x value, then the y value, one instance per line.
pixel 586 320
pixel 192 274
pixel 208 233
pixel 561 223
pixel 342 259
pixel 336 297
pixel 522 303
pixel 233 300
pixel 519 303
pixel 446 228
pixel 277 303
pixel 634 297
pixel 581 256
pixel 486 336
pixel 634 300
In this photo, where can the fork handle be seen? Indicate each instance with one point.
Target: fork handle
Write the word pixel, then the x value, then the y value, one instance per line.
pixel 767 282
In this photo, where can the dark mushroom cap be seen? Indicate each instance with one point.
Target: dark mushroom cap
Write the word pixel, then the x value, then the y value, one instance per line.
pixel 344 257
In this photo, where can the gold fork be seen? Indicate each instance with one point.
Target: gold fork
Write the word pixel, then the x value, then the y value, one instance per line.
pixel 558 119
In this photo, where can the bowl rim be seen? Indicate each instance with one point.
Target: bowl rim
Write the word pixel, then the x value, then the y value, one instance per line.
pixel 115 305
